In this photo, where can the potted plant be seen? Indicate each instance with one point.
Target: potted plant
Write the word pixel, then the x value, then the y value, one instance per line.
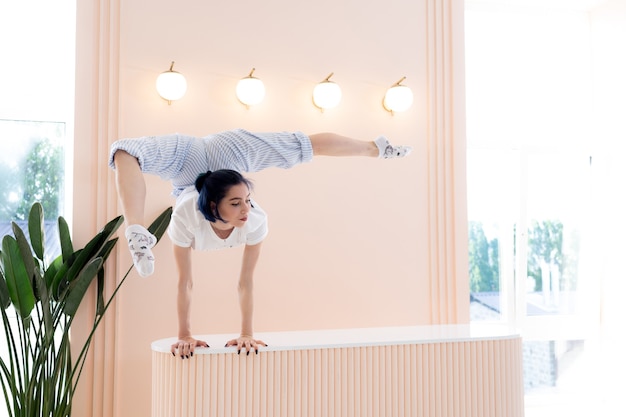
pixel 38 376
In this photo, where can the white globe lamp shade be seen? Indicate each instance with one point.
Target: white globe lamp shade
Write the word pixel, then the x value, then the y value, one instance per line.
pixel 326 95
pixel 398 98
pixel 250 91
pixel 171 85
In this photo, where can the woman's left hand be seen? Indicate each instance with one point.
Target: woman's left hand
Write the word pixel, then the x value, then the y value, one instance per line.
pixel 246 342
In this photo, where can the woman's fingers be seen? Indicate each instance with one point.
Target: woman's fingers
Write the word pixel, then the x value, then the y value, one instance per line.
pixel 186 347
pixel 246 344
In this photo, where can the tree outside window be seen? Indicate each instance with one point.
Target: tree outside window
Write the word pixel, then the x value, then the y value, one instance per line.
pixel 31 169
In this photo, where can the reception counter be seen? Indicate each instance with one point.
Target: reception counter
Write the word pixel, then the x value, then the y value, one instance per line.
pixel 445 370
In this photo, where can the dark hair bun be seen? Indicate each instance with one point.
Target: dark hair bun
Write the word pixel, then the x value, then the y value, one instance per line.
pixel 201 179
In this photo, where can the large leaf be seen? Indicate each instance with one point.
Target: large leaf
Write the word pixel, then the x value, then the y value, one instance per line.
pixel 106 249
pixel 35 229
pixel 59 281
pixel 19 283
pixel 25 250
pixel 160 224
pixel 66 241
pixel 100 309
pixel 79 287
pixel 5 300
pixel 46 308
pixel 93 248
pixel 111 227
pixel 84 256
pixel 104 254
pixel 52 270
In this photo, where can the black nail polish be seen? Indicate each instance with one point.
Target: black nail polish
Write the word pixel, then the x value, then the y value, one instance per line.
pixel 247 353
pixel 256 351
pixel 238 352
pixel 191 353
pixel 173 354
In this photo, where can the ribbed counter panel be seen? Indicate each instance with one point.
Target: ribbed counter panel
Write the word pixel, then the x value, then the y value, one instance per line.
pixel 434 371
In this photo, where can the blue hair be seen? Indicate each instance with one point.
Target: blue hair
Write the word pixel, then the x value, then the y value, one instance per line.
pixel 213 186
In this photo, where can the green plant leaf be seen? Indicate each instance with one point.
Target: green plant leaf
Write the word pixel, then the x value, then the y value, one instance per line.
pixel 36 230
pixel 104 254
pixel 25 250
pixel 67 248
pixel 160 224
pixel 5 300
pixel 107 249
pixel 92 249
pixel 83 256
pixel 99 244
pixel 78 287
pixel 19 283
pixel 111 227
pixel 45 304
pixel 100 300
pixel 59 280
pixel 52 270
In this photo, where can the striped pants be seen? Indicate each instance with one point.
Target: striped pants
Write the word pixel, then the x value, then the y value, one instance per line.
pixel 180 159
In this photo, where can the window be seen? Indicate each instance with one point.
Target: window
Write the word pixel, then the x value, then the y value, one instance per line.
pixel 32 168
pixel 529 181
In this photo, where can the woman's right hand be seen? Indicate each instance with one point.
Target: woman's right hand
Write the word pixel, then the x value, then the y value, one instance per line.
pixel 186 345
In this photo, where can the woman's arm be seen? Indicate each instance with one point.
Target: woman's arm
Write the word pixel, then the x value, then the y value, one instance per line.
pixel 246 300
pixel 186 343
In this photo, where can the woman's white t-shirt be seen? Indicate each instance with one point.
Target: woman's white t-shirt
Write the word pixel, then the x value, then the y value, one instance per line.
pixel 189 228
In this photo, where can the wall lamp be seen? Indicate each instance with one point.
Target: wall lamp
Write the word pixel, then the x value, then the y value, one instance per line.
pixel 327 94
pixel 398 97
pixel 250 90
pixel 171 85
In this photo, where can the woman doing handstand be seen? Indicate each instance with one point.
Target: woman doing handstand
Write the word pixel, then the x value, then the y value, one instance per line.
pixel 213 208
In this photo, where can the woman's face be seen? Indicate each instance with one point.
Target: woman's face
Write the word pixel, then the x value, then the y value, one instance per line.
pixel 235 205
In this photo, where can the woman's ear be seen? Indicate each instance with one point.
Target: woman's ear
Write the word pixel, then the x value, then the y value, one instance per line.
pixel 213 207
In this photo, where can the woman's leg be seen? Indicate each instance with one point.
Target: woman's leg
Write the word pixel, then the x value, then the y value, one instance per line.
pixel 131 190
pixel 332 144
pixel 131 187
pixel 245 151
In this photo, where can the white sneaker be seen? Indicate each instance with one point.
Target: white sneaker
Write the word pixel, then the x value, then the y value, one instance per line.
pixel 140 242
pixel 387 150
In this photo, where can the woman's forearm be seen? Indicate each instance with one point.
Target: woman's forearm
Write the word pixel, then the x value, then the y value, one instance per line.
pixel 182 256
pixel 246 304
pixel 184 308
pixel 246 287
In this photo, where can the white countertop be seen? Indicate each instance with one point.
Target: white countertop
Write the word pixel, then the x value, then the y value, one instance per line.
pixel 359 337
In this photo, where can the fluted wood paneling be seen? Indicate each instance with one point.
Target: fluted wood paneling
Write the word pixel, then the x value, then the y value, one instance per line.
pixel 455 379
pixel 446 148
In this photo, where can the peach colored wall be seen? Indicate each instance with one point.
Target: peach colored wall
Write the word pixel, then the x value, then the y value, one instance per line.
pixel 350 241
pixel 344 239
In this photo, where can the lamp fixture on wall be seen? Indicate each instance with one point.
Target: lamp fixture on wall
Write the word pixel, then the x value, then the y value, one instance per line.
pixel 327 94
pixel 398 97
pixel 250 90
pixel 171 85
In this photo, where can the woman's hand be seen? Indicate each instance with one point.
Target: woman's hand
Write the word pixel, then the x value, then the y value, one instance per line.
pixel 246 342
pixel 186 345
